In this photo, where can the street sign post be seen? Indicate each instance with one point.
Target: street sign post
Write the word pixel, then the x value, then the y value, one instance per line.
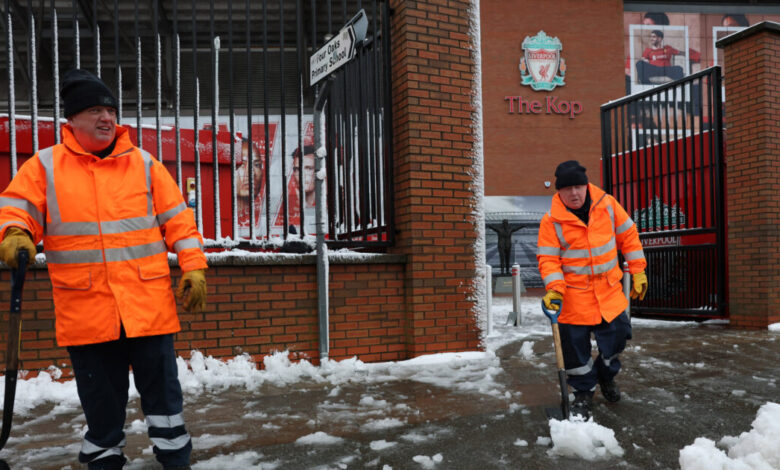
pixel 339 50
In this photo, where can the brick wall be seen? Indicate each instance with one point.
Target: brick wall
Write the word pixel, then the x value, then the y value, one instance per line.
pixel 255 308
pixel 522 150
pixel 752 65
pixel 435 170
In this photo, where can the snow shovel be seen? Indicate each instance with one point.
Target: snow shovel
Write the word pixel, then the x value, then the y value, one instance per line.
pixel 555 413
pixel 12 353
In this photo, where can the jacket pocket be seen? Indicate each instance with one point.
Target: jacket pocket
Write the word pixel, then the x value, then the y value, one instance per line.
pixel 577 281
pixel 74 279
pixel 614 276
pixel 151 271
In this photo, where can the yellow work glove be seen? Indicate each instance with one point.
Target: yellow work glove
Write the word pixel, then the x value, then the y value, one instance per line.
pixel 15 239
pixel 639 288
pixel 550 296
pixel 192 290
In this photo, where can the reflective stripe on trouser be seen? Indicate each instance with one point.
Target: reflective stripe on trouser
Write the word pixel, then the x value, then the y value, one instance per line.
pixel 583 372
pixel 102 381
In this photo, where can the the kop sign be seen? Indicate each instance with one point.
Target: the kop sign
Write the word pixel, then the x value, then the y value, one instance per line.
pixel 542 68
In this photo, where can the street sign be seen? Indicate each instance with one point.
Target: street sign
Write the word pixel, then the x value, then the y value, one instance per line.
pixel 339 50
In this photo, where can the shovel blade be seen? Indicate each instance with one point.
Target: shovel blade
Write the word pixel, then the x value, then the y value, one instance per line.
pixel 554 413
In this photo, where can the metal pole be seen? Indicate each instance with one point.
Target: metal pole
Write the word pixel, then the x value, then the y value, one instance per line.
pixel 627 287
pixel 322 254
pixel 489 297
pixel 516 292
pixel 11 96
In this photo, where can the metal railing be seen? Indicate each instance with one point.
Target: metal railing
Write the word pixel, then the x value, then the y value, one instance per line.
pixel 219 92
pixel 358 122
pixel 662 156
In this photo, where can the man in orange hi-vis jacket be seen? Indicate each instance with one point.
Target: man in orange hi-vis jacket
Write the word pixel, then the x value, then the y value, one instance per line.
pixel 108 214
pixel 578 245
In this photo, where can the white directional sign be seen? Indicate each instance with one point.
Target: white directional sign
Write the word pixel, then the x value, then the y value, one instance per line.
pixel 339 50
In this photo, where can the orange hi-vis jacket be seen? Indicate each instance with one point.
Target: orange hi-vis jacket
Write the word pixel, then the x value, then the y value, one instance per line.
pixel 107 226
pixel 581 262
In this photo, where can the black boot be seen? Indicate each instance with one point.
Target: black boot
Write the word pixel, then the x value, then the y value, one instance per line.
pixel 112 462
pixel 610 390
pixel 583 402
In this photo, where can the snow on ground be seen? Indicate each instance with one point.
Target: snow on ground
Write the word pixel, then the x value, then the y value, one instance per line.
pixel 757 449
pixel 466 371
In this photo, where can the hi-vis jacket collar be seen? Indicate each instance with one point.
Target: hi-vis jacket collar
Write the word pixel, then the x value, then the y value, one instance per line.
pixel 560 213
pixel 123 144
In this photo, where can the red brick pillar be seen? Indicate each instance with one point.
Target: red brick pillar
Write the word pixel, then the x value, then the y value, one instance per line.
pixel 752 62
pixel 433 70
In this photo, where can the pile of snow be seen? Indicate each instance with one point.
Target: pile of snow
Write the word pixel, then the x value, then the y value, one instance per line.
pixel 318 438
pixel 758 449
pixel 468 371
pixel 428 462
pixel 583 439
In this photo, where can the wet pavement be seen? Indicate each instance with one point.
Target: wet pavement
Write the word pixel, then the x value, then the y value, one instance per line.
pixel 679 382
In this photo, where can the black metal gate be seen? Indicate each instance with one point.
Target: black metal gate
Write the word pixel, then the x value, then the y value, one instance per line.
pixel 662 157
pixel 358 140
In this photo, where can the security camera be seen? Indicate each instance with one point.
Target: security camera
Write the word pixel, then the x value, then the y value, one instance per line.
pixel 546 184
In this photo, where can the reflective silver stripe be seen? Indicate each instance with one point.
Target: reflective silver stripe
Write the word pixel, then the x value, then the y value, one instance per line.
pixel 74 256
pixel 608 360
pixel 110 226
pixel 559 233
pixel 171 444
pixel 187 243
pixel 10 222
pixel 163 218
pixel 575 254
pixel 605 267
pixel 611 215
pixel 108 453
pixel 603 249
pixel 134 252
pixel 112 254
pixel 632 255
pixel 553 277
pixel 582 370
pixel 90 448
pixel 46 156
pixel 163 421
pixel 548 250
pixel 148 163
pixel 128 225
pixel 24 205
pixel 72 228
pixel 624 226
pixel 584 270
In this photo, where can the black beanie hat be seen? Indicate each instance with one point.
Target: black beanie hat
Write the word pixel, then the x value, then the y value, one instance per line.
pixel 81 90
pixel 570 173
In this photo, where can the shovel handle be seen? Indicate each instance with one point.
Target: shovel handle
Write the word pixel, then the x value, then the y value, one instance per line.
pixel 558 349
pixel 17 280
pixel 12 353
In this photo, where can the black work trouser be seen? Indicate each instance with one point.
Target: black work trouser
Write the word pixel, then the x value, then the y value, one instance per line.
pixel 102 380
pixel 583 372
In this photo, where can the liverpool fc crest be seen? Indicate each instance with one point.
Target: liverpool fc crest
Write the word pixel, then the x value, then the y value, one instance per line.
pixel 541 66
